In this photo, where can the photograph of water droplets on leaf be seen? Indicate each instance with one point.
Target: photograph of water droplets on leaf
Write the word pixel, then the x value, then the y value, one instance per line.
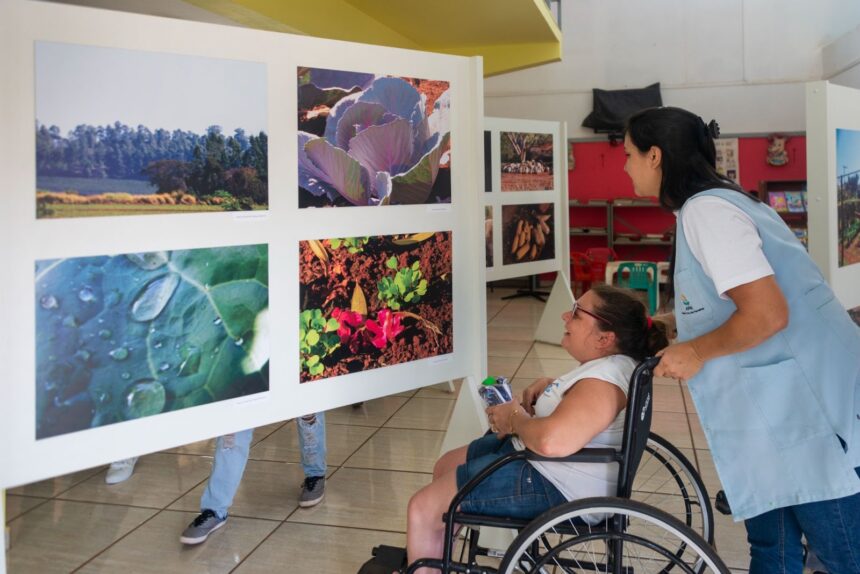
pixel 372 139
pixel 130 336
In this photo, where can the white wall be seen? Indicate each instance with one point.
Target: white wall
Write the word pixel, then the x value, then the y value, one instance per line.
pixel 743 62
pixel 841 60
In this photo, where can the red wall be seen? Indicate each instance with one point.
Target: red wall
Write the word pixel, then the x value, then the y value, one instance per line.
pixel 598 174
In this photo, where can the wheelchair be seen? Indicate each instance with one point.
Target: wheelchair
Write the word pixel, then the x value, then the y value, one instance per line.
pixel 625 534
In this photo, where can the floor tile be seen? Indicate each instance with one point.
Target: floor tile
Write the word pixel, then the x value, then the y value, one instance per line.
pixel 441 390
pixel 708 472
pixel 502 366
pixel 358 497
pixel 699 439
pixel 341 442
pixel 60 535
pixel 666 381
pixel 341 550
pixel 372 413
pixel 155 548
pixel 418 413
pixel 399 449
pixel 199 448
pixel 730 539
pixel 535 368
pixel 668 399
pixel 673 427
pixel 547 351
pixel 268 490
pixel 510 334
pixel 510 349
pixel 18 505
pixel 158 480
pixel 54 486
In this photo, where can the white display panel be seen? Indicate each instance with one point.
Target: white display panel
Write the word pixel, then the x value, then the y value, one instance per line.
pixel 521 189
pixel 831 108
pixel 281 227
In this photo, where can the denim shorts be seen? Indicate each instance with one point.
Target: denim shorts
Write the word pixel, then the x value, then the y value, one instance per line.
pixel 516 490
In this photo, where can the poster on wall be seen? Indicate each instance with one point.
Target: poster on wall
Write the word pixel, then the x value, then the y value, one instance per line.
pixel 848 195
pixel 527 161
pixel 129 336
pixel 369 302
pixel 528 233
pixel 369 139
pixel 488 160
pixel 129 132
pixel 727 159
pixel 488 234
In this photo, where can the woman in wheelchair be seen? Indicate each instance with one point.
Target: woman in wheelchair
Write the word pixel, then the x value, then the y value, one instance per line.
pixel 608 331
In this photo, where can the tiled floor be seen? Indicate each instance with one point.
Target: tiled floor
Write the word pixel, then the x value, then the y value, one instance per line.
pixel 378 456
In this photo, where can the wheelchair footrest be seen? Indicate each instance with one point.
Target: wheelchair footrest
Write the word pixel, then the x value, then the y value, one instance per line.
pixel 386 559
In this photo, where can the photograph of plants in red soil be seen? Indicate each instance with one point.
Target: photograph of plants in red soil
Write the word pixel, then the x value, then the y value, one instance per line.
pixel 370 302
pixel 526 161
pixel 528 233
pixel 368 139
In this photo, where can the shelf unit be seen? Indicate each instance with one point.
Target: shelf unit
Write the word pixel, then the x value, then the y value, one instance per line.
pixel 796 220
pixel 605 221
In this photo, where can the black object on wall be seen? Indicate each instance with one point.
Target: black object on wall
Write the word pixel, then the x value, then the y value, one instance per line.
pixel 611 108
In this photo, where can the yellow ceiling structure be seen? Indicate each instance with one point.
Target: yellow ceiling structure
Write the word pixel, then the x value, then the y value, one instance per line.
pixel 509 34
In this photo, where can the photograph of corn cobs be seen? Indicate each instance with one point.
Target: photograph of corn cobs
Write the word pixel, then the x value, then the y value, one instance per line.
pixel 527 233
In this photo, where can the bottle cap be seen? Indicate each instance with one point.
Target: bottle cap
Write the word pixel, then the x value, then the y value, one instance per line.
pixel 489 381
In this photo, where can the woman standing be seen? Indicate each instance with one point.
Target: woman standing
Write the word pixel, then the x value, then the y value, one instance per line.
pixel 770 356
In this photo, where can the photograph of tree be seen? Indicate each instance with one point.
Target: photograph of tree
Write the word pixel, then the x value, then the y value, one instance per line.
pixel 848 195
pixel 368 139
pixel 129 336
pixel 528 233
pixel 526 161
pixel 126 132
pixel 370 302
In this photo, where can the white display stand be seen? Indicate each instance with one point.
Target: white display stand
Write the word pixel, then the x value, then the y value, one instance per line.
pixel 26 239
pixel 829 107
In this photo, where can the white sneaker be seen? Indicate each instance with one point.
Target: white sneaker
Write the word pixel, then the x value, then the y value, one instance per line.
pixel 120 470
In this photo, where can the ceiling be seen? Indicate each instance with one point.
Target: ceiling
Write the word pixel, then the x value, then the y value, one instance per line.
pixel 509 34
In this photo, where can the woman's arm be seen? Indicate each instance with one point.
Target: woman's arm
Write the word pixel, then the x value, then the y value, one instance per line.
pixel 586 410
pixel 762 311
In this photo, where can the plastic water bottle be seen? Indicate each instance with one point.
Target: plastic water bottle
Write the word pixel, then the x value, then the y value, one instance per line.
pixel 495 391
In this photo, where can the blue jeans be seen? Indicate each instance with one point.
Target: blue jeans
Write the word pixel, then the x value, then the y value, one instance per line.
pixel 831 527
pixel 231 455
pixel 517 490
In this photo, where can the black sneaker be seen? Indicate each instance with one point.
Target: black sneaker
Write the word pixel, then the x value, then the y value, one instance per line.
pixel 201 527
pixel 313 489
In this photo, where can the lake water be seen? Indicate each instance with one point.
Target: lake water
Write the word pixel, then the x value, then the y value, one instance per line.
pixel 94 186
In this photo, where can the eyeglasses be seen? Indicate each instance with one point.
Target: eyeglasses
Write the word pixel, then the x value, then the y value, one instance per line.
pixel 577 307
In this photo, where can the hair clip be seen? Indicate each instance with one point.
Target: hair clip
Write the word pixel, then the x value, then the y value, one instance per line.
pixel 713 129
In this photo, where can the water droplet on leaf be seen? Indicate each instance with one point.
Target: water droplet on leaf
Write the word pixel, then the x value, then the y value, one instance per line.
pixel 149 261
pixel 143 399
pixel 70 321
pixel 49 302
pixel 119 354
pixel 105 333
pixel 154 297
pixel 190 360
pixel 83 355
pixel 238 342
pixel 217 321
pixel 86 295
pixel 163 366
pixel 125 376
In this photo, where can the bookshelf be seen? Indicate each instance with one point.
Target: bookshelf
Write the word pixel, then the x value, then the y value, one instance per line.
pixel 636 229
pixel 788 199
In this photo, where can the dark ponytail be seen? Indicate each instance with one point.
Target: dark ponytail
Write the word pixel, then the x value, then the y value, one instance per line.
pixel 636 334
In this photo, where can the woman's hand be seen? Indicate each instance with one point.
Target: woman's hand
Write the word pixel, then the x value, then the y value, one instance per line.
pixel 500 417
pixel 679 361
pixel 532 392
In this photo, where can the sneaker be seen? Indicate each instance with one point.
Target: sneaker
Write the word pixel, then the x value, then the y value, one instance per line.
pixel 201 527
pixel 313 489
pixel 120 471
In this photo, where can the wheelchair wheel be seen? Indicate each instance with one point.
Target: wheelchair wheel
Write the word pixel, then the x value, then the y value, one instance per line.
pixel 611 535
pixel 667 480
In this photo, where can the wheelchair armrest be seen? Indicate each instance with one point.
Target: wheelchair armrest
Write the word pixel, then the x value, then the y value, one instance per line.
pixel 589 455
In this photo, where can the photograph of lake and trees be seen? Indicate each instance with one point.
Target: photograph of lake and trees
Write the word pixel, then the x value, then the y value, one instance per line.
pixel 127 132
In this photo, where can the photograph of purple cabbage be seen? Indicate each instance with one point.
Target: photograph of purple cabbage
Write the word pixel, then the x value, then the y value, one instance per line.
pixel 367 139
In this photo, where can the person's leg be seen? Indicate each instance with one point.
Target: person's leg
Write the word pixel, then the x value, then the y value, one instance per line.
pixel 425 531
pixel 774 539
pixel 449 461
pixel 312 442
pixel 832 528
pixel 231 455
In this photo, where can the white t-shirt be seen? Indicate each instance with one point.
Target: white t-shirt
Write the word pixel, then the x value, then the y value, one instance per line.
pixel 725 241
pixel 577 480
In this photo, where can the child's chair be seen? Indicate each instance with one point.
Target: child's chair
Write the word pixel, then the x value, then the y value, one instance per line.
pixel 638 277
pixel 581 276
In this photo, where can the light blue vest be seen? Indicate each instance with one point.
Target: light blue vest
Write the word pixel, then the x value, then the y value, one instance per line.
pixel 773 415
